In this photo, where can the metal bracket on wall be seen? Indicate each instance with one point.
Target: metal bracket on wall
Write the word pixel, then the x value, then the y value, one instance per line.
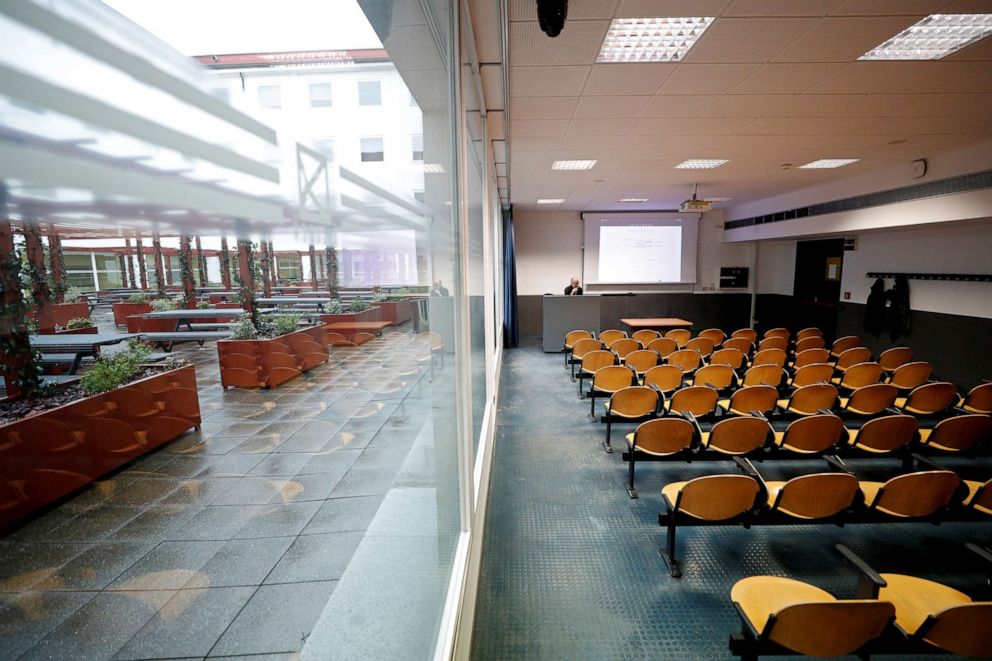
pixel 952 277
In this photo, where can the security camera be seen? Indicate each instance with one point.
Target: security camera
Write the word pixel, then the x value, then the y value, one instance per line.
pixel 551 15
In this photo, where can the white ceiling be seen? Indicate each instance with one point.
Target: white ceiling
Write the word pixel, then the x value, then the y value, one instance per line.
pixel 772 82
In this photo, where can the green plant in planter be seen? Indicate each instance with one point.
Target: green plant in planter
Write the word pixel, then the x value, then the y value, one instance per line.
pixel 114 370
pixel 137 298
pixel 243 329
pixel 203 305
pixel 359 305
pixel 162 304
pixel 334 307
pixel 287 324
pixel 73 294
pixel 174 362
pixel 79 322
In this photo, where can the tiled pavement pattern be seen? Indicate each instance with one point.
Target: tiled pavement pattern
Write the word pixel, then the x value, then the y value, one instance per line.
pixel 230 540
pixel 571 567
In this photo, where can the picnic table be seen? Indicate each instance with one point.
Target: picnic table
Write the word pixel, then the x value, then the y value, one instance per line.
pixel 78 346
pixel 296 301
pixel 188 316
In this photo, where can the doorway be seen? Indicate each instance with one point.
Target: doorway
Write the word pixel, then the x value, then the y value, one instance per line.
pixel 816 289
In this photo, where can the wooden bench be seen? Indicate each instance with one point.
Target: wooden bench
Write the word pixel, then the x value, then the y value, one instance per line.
pixel 217 326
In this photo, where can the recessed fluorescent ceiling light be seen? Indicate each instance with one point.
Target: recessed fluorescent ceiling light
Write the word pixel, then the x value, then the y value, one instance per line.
pixel 573 165
pixel 652 39
pixel 433 168
pixel 550 200
pixel 825 163
pixel 934 37
pixel 719 199
pixel 633 199
pixel 701 163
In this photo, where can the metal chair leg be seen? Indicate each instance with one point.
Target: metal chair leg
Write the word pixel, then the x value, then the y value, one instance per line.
pixel 668 553
pixel 609 425
pixel 631 491
pixel 592 406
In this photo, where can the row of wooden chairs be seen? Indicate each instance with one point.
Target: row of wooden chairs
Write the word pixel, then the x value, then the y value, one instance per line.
pixel 889 614
pixel 931 493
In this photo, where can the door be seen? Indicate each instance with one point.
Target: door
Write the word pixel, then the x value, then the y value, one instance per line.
pixel 816 290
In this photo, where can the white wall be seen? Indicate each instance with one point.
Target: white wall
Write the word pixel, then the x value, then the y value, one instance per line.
pixel 549 252
pixel 776 267
pixel 946 249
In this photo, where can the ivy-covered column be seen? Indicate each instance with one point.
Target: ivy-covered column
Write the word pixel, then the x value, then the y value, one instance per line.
pixel 21 375
pixel 129 257
pixel 56 265
pixel 122 266
pixel 186 270
pixel 142 272
pixel 36 276
pixel 267 258
pixel 331 260
pixel 157 254
pixel 246 272
pixel 168 270
pixel 225 264
pixel 313 267
pixel 201 263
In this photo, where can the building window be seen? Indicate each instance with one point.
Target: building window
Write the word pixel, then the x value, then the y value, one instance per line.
pixel 325 147
pixel 320 95
pixel 418 147
pixel 289 268
pixel 270 96
pixel 369 93
pixel 372 150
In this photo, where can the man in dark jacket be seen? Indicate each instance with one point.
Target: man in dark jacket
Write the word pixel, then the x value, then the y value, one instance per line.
pixel 573 289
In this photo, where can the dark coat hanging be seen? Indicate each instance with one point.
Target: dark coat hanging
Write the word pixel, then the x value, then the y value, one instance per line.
pixel 875 309
pixel 899 318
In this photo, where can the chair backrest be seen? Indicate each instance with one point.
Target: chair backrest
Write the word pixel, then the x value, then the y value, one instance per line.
pixel 811 342
pixel 961 433
pixel 773 342
pixel 717 497
pixel 720 377
pixel 911 375
pixel 872 399
pixel 634 402
pixel 574 336
pixel 742 344
pixel 680 335
pixel 749 399
pixel 813 434
pixel 732 357
pixel 769 375
pixel 769 357
pixel 809 400
pixel 813 373
pixel 697 400
pixel 584 346
pixel 853 356
pixel 862 374
pixel 831 628
pixel 663 346
pixel 963 629
pixel 714 334
pixel 623 346
pixel 739 435
pixel 641 360
pixel 981 496
pixel 612 378
pixel 812 331
pixel 888 433
pixel 663 436
pixel 842 344
pixel 894 357
pixel 817 496
pixel 811 356
pixel 777 332
pixel 666 378
pixel 916 494
pixel 687 359
pixel 701 344
pixel 595 360
pixel 611 335
pixel 748 334
pixel 979 399
pixel 645 335
pixel 932 398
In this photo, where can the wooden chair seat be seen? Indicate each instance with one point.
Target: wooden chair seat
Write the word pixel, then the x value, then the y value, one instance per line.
pixel 812 497
pixel 911 495
pixel 811 435
pixel 886 434
pixel 978 399
pixel 736 436
pixel 712 497
pixel 958 434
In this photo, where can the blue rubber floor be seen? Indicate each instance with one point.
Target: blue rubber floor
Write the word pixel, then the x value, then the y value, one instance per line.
pixel 571 568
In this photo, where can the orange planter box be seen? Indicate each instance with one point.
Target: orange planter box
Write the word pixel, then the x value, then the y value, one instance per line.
pixel 397 312
pixel 372 314
pixel 124 310
pixel 46 456
pixel 271 362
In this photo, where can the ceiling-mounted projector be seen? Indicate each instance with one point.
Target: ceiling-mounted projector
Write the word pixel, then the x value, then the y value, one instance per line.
pixel 551 15
pixel 692 205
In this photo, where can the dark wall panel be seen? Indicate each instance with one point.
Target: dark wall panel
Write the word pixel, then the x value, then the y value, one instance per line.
pixel 531 314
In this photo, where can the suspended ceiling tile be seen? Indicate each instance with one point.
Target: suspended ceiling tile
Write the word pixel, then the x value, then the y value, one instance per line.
pixel 543 107
pixel 981 50
pixel 627 78
pixel 486 19
pixel 678 105
pixel 526 10
pixel 714 125
pixel 499 151
pixel 596 126
pixel 495 125
pixel 929 125
pixel 706 78
pixel 579 43
pixel 944 77
pixel 747 39
pixel 780 7
pixel 785 78
pixel 657 126
pixel 492 85
pixel 841 105
pixel 775 126
pixel 605 107
pixel 889 7
pixel 500 169
pixel 547 81
pixel 534 143
pixel 587 141
pixel 746 105
pixel 663 8
pixel 537 127
pixel 843 39
pixel 936 105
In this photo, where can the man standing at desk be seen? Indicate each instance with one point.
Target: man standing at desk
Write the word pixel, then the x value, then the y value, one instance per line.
pixel 573 289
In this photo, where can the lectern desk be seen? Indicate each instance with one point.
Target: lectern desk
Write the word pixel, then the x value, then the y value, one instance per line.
pixel 567 313
pixel 660 324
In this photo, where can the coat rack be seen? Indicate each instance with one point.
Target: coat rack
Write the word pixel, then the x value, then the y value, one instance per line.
pixel 953 277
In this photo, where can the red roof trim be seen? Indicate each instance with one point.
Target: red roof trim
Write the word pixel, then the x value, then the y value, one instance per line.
pixel 236 60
